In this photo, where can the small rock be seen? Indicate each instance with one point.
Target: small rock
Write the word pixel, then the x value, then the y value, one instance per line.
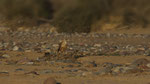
pixel 90 64
pixel 104 71
pixel 147 53
pixel 141 61
pixel 46 71
pixel 82 70
pixel 50 81
pixel 30 63
pixel 5 56
pixel 74 70
pixel 4 72
pixel 117 69
pixel 16 48
pixel 70 66
pixel 86 73
pixel 148 65
pixel 23 61
pixel 28 50
pixel 126 69
pixel 131 70
pixel 19 69
pixel 142 49
pixel 32 72
pixel 97 45
pixel 47 54
pixel 107 64
pixel 55 45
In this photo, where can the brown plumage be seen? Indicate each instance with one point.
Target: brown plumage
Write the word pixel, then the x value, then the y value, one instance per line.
pixel 62 46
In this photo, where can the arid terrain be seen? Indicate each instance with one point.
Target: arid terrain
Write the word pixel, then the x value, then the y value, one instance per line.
pixel 75 41
pixel 30 57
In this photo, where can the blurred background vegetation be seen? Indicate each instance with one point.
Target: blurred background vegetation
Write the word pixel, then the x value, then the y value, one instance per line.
pixel 77 15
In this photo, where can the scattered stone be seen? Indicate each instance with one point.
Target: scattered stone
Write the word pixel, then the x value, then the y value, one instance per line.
pixel 89 64
pixel 46 71
pixel 74 70
pixel 78 45
pixel 148 65
pixel 84 74
pixel 70 66
pixel 50 80
pixel 108 65
pixel 29 63
pixel 24 61
pixel 16 48
pixel 4 72
pixel 141 61
pixel 85 47
pixel 27 50
pixel 97 45
pixel 125 70
pixel 55 45
pixel 47 54
pixel 11 62
pixel 104 71
pixel 5 56
pixel 19 69
pixel 117 69
pixel 32 72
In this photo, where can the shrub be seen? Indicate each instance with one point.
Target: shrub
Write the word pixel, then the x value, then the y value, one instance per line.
pixel 26 9
pixel 79 18
pixel 78 15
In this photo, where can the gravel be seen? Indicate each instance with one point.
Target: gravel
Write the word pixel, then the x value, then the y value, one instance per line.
pixel 78 45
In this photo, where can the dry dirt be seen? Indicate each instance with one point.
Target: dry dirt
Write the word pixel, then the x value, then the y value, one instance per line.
pixel 20 77
pixel 17 67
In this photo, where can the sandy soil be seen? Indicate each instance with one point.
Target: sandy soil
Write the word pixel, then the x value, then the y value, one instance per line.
pixel 17 68
pixel 20 77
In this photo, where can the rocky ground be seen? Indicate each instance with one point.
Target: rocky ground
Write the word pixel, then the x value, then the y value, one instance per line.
pixel 29 57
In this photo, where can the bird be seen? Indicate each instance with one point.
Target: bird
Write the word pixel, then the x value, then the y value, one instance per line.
pixel 62 46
